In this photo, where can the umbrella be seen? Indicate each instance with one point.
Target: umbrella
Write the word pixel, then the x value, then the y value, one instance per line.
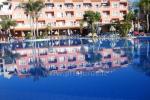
pixel 95 35
pixel 112 28
pixel 56 33
pixel 132 28
pixel 68 31
pixel 90 34
pixel 22 33
pixel 40 32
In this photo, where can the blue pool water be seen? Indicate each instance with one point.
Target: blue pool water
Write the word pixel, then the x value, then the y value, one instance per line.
pixel 128 80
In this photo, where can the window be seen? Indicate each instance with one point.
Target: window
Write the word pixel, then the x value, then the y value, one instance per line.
pixel 59 14
pixel 22 62
pixel 61 59
pixel 117 61
pixel 43 60
pixel 106 21
pixel 115 5
pixel 78 6
pixel 59 6
pixel 97 6
pixel 115 13
pixel 81 57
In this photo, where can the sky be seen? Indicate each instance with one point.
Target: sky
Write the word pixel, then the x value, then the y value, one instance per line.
pixel 134 0
pixel 2 0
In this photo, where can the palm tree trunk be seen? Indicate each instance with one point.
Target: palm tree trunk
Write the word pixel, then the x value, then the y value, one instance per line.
pixel 148 48
pixel 37 30
pixel 147 19
pixel 92 26
pixel 31 26
pixel 9 34
pixel 81 30
pixel 34 28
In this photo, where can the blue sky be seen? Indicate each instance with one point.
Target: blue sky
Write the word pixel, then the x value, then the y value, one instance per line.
pixel 134 0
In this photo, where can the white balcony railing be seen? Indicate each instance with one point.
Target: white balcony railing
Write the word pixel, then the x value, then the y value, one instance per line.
pixel 53 25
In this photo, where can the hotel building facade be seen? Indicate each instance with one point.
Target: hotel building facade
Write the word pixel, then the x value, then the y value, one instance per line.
pixel 65 14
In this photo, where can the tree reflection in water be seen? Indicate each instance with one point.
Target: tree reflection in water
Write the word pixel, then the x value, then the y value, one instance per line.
pixel 38 70
pixel 92 57
pixel 10 57
pixel 143 65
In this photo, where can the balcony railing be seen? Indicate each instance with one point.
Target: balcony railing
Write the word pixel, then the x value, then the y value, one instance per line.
pixel 71 59
pixel 44 25
pixel 31 62
pixel 43 54
pixel 52 61
pixel 108 56
pixel 24 55
pixel 53 68
pixel 72 66
pixel 64 52
pixel 125 62
pixel 123 55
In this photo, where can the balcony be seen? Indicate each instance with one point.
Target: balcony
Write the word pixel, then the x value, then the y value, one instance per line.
pixel 24 55
pixel 72 66
pixel 1 61
pixel 123 7
pixel 5 12
pixel 49 14
pixel 31 62
pixel 106 14
pixel 42 25
pixel 64 52
pixel 89 65
pixel 71 59
pixel 87 5
pixel 53 68
pixel 52 61
pixel 42 54
pixel 49 5
pixel 69 6
pixel 124 62
pixel 69 14
pixel 107 57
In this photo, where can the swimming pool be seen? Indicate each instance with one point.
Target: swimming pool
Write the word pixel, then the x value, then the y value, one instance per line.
pixel 75 69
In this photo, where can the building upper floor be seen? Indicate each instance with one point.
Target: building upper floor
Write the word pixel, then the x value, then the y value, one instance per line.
pixel 66 13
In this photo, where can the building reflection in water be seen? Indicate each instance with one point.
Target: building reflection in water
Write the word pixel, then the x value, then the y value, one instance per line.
pixel 45 57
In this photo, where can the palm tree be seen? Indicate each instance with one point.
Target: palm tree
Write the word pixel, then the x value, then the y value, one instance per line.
pixel 49 29
pixel 125 25
pixel 129 17
pixel 32 8
pixel 91 18
pixel 136 18
pixel 81 26
pixel 145 9
pixel 6 25
pixel 39 5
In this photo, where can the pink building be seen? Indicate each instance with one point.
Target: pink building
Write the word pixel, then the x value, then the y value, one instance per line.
pixel 65 14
